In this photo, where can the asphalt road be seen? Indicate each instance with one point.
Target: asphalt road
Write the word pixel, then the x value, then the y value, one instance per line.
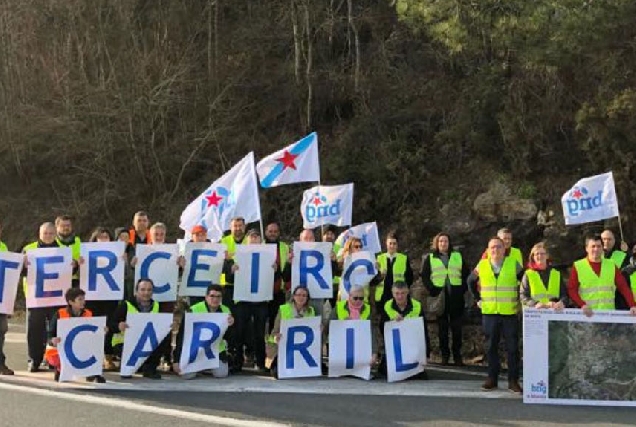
pixel 450 399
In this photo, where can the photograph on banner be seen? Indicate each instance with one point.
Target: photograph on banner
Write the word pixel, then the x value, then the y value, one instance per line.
pixel 49 275
pixel 81 346
pixel 323 205
pixel 159 264
pixel 203 266
pixel 311 267
pixel 234 194
pixel 144 334
pixel 578 359
pixel 101 270
pixel 254 279
pixel 10 271
pixel 590 199
pixel 202 338
pixel 299 348
pixel 405 346
pixel 367 233
pixel 298 162
pixel 350 351
pixel 358 270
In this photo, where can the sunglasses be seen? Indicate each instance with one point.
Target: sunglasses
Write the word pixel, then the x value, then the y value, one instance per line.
pixel 357 298
pixel 215 296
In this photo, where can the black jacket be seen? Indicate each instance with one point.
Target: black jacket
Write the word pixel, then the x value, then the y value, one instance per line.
pixel 454 294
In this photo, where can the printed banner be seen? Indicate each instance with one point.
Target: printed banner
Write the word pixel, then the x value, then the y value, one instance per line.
pixel 203 334
pixel 49 275
pixel 144 334
pixel 322 205
pixel 358 270
pixel 10 270
pixel 254 280
pixel 590 199
pixel 350 349
pixel 204 264
pixel 102 270
pixel 159 263
pixel 571 359
pixel 299 348
pixel 81 348
pixel 405 347
pixel 311 268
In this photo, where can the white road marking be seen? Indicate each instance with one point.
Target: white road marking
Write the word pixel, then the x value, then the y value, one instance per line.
pixel 140 407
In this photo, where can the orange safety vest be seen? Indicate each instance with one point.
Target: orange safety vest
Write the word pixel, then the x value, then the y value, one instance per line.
pixel 62 313
pixel 133 234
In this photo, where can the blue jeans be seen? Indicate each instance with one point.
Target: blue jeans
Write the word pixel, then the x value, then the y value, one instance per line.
pixel 494 325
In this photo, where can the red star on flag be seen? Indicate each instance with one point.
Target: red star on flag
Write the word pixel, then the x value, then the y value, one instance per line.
pixel 316 201
pixel 213 199
pixel 577 194
pixel 288 160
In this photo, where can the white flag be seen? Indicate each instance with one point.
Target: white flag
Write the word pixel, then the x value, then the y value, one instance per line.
pixel 367 232
pixel 233 194
pixel 297 162
pixel 322 205
pixel 590 199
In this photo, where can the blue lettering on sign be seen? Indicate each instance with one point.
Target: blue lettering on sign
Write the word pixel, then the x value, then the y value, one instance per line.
pixel 149 334
pixel 4 266
pixel 302 347
pixel 256 262
pixel 95 270
pixel 350 359
pixel 145 266
pixel 314 212
pixel 364 263
pixel 400 366
pixel 199 266
pixel 205 344
pixel 41 276
pixel 580 200
pixel 314 271
pixel 68 347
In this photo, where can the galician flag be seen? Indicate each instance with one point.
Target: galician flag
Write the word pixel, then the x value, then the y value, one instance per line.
pixel 233 194
pixel 590 199
pixel 322 205
pixel 295 163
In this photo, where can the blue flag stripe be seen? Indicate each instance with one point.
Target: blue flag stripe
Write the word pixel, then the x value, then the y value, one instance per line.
pixel 298 148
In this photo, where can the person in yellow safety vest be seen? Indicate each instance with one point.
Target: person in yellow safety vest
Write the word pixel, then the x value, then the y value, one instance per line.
pixel 141 303
pixel 139 233
pixel 354 308
pixel 236 237
pixel 542 286
pixel 297 308
pixel 4 326
pixel 630 275
pixel 272 236
pixel 594 281
pixel 495 285
pixel 401 306
pixel 38 317
pixel 66 237
pixel 445 272
pixel 394 267
pixel 611 252
pixel 211 304
pixel 506 236
pixel 76 300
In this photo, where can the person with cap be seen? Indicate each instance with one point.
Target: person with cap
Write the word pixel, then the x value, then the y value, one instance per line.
pixel 198 234
pixel 210 304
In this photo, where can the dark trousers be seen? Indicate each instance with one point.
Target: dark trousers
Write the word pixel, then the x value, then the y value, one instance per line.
pixel 247 314
pixel 454 322
pixel 37 321
pixel 494 326
pixel 272 308
pixel 4 328
pixel 151 363
pixel 104 308
pixel 167 307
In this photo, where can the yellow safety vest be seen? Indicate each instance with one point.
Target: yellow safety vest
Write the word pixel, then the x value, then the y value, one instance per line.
pixel 343 313
pixel 632 282
pixel 118 338
pixel 230 243
pixel 202 307
pixel 399 270
pixel 439 272
pixel 499 295
pixel 75 247
pixel 538 290
pixel 618 257
pixel 3 247
pixel 393 314
pixel 287 311
pixel 598 292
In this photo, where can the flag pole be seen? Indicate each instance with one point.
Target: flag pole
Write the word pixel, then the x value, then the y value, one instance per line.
pixel 620 227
